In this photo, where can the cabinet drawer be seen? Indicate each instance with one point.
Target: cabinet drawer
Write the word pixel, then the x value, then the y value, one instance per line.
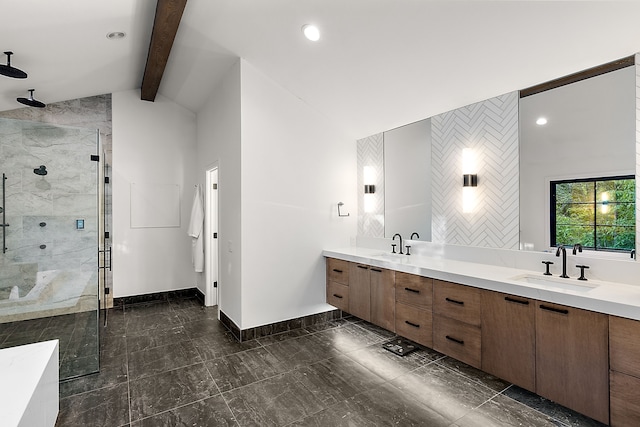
pixel 414 290
pixel 625 400
pixel 414 323
pixel 459 340
pixel 338 271
pixel 457 302
pixel 624 345
pixel 338 295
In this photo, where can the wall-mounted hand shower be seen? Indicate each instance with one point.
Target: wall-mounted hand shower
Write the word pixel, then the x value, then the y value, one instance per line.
pixel 42 170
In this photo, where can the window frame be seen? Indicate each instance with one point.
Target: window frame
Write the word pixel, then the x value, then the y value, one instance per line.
pixel 552 210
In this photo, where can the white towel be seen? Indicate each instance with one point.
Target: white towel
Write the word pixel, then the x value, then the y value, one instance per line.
pixel 196 226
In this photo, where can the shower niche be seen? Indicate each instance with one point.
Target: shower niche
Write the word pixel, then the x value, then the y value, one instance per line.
pixel 49 266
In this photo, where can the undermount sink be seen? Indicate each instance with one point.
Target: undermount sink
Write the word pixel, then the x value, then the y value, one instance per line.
pixel 391 256
pixel 570 284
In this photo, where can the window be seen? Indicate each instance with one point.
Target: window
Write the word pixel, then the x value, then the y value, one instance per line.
pixel 598 213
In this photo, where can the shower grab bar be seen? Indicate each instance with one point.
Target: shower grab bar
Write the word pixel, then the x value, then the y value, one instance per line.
pixel 4 224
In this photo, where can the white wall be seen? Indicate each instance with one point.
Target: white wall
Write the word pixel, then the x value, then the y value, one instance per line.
pixel 153 143
pixel 296 167
pixel 218 135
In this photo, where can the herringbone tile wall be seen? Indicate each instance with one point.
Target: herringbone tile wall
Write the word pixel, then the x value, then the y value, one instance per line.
pixel 371 153
pixel 490 129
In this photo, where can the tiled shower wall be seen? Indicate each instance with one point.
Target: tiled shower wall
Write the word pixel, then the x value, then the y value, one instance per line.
pixel 490 129
pixel 93 113
pixel 371 217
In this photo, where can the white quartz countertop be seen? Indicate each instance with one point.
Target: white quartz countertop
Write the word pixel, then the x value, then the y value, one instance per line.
pixel 595 295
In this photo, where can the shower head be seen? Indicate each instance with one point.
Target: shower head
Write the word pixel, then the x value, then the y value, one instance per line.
pixel 30 101
pixel 42 170
pixel 9 71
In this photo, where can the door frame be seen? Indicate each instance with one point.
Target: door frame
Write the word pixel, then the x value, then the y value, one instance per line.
pixel 212 260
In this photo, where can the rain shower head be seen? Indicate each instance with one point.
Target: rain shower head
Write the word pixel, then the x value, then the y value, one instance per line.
pixel 42 170
pixel 30 101
pixel 9 71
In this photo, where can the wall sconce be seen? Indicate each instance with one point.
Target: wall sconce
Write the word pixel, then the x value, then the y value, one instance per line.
pixel 369 178
pixel 470 180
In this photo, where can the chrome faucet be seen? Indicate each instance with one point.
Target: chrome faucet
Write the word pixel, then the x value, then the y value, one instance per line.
pixel 394 238
pixel 577 248
pixel 562 250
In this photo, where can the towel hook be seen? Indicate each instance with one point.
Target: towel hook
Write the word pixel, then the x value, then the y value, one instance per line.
pixel 341 204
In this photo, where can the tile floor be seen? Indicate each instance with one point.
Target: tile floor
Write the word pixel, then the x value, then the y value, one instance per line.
pixel 77 333
pixel 172 363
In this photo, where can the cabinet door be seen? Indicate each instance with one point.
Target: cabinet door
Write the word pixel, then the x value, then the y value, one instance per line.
pixel 414 290
pixel 508 338
pixel 414 323
pixel 624 345
pixel 338 295
pixel 572 364
pixel 457 339
pixel 338 271
pixel 360 291
pixel 457 302
pixel 625 400
pixel 383 298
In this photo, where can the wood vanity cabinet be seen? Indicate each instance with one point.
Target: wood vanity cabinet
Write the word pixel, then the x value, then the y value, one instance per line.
pixel 359 291
pixel 414 302
pixel 572 358
pixel 508 338
pixel 624 377
pixel 372 294
pixel 456 321
pixel 338 283
pixel 383 298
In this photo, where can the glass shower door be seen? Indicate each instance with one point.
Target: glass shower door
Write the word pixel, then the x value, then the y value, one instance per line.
pixel 49 262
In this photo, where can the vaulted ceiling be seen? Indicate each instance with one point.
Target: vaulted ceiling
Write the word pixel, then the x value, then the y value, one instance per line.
pixel 379 63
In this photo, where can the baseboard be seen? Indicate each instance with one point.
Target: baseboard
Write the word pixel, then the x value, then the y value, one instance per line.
pixel 158 297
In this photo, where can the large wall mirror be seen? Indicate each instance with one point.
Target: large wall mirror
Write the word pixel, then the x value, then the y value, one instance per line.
pixel 590 132
pixel 583 130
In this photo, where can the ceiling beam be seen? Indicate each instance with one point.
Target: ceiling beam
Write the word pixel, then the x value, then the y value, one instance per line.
pixel 165 27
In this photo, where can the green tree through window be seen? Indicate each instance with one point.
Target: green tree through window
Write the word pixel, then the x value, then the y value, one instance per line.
pixel 598 213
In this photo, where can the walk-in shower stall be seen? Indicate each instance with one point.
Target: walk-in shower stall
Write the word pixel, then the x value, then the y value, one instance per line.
pixel 49 229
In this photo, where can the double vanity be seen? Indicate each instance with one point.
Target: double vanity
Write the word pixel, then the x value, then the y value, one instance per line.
pixel 573 342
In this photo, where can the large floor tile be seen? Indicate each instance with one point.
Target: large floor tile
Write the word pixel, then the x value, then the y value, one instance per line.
pixel 157 338
pixel 481 377
pixel 155 321
pixel 113 371
pixel 300 352
pixel 446 392
pixel 160 359
pixel 215 345
pixel 336 379
pixel 212 412
pixel 380 406
pixel 105 407
pixel 161 392
pixel 389 365
pixel 502 411
pixel 244 368
pixel 277 401
pixel 349 337
pixel 564 415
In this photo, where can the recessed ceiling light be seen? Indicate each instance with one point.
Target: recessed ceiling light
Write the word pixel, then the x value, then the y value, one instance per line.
pixel 116 35
pixel 311 32
pixel 541 121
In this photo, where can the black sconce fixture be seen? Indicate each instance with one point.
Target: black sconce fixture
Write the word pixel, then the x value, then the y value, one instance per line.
pixel 470 180
pixel 369 189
